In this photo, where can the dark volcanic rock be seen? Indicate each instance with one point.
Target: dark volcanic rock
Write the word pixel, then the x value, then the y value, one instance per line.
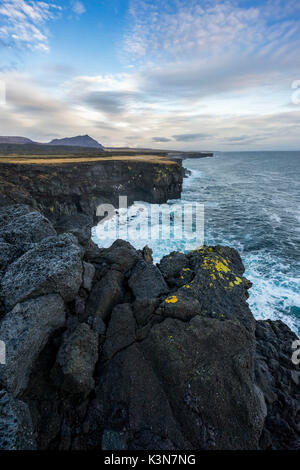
pixel 78 224
pixel 146 281
pixel 64 190
pixel 8 253
pixel 278 378
pixel 53 266
pixel 120 332
pixel 76 360
pixel 206 366
pixel 10 214
pixel 105 294
pixel 88 275
pixel 13 194
pixel 138 406
pixel 121 256
pixel 25 331
pixel 27 229
pixel 106 350
pixel 16 430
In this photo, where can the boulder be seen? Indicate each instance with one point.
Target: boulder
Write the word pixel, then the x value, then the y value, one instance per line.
pixel 175 268
pixel 120 332
pixel 16 429
pixel 206 368
pixel 76 360
pixel 106 294
pixel 144 310
pixel 121 256
pixel 180 306
pixel 26 229
pixel 8 254
pixel 130 399
pixel 53 266
pixel 11 213
pixel 78 224
pixel 146 281
pixel 214 279
pixel 25 331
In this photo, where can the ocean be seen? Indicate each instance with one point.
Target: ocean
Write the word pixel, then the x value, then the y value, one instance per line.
pixel 251 202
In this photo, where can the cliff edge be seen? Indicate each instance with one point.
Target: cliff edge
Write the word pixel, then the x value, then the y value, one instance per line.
pixel 69 190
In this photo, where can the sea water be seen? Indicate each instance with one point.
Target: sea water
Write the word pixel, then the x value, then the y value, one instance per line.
pixel 251 202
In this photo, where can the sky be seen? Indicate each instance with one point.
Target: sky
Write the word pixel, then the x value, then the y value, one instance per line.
pixel 174 74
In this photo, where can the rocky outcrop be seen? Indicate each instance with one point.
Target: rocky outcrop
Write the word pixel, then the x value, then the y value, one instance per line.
pixel 52 266
pixel 278 378
pixel 106 350
pixel 16 430
pixel 76 360
pixel 25 331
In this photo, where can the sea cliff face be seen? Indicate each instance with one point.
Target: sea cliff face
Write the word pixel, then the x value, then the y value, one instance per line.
pixel 66 189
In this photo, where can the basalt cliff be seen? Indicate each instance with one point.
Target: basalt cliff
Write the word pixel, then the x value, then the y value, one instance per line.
pixel 69 193
pixel 106 350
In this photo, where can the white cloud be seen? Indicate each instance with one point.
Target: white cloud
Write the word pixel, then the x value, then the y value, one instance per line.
pixel 41 113
pixel 23 22
pixel 78 7
pixel 207 74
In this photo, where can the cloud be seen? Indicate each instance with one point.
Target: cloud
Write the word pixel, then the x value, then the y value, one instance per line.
pixel 208 47
pixel 161 139
pixel 23 23
pixel 220 67
pixel 114 102
pixel 190 137
pixel 78 7
pixel 175 29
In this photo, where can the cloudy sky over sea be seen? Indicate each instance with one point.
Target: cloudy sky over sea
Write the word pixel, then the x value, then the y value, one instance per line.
pixel 193 74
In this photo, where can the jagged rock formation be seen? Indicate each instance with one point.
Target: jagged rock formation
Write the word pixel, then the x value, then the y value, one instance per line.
pixel 106 350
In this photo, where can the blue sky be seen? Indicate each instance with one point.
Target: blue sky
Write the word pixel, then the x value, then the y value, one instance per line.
pixel 192 74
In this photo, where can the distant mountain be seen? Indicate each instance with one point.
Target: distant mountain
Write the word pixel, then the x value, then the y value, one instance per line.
pixel 78 141
pixel 15 140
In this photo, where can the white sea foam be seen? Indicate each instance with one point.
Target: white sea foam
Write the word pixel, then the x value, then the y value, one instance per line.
pixel 249 206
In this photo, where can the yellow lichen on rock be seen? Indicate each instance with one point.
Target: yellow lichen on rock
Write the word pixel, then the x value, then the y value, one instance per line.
pixel 222 267
pixel 171 300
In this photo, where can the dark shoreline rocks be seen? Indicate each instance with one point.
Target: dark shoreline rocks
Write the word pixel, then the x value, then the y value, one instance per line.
pixel 106 350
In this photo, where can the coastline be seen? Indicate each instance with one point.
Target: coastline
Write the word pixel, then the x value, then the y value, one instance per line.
pixel 194 369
